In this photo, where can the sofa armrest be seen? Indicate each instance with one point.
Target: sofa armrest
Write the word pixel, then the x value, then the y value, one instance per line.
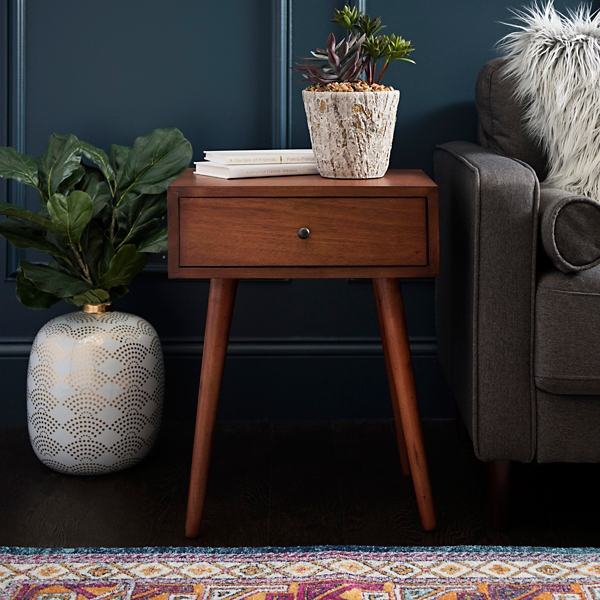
pixel 570 229
pixel 485 295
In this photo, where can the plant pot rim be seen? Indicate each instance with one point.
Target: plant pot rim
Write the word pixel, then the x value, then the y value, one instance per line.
pixel 97 309
pixel 354 93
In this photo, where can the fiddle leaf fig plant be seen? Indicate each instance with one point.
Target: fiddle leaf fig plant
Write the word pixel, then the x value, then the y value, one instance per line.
pixel 98 220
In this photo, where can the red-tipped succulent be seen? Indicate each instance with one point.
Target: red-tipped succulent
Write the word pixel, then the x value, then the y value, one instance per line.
pixel 343 61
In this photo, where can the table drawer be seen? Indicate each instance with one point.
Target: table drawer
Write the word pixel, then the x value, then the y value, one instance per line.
pixel 263 232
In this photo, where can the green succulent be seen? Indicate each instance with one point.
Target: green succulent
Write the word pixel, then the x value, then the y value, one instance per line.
pixel 98 220
pixel 375 47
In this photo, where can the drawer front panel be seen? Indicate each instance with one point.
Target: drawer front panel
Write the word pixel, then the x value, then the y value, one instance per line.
pixel 256 232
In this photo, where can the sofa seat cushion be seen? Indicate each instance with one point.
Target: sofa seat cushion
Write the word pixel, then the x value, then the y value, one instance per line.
pixel 567 332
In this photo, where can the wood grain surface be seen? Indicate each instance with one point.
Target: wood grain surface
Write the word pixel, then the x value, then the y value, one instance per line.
pixel 412 182
pixel 256 232
pixel 273 484
pixel 247 228
pixel 221 298
pixel 389 296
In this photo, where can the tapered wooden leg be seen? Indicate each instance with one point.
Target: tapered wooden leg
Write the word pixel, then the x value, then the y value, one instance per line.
pixel 498 478
pixel 221 298
pixel 389 295
pixel 405 464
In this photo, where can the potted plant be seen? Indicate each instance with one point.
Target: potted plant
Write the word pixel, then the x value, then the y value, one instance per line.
pixel 351 115
pixel 96 378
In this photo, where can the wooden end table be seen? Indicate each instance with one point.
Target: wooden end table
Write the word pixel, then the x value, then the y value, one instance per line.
pixel 306 227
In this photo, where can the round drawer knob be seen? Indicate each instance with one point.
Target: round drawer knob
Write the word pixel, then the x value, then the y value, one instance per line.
pixel 303 232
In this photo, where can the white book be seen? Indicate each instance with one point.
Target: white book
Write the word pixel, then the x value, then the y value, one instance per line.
pixel 239 171
pixel 257 157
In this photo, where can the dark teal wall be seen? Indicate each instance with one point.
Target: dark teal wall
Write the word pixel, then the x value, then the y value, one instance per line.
pixel 109 71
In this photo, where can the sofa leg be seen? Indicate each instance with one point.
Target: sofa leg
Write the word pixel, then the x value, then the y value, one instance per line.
pixel 498 489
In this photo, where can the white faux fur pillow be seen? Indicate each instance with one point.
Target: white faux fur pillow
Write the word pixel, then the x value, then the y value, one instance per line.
pixel 555 60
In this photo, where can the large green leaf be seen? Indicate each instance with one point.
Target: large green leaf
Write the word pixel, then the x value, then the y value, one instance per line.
pixel 32 297
pixel 99 158
pixel 71 214
pixel 91 180
pixel 105 258
pixel 155 243
pixel 49 280
pixel 117 159
pixel 61 157
pixel 101 198
pixel 97 296
pixel 71 181
pixel 140 216
pixel 12 210
pixel 23 235
pixel 17 166
pixel 154 161
pixel 64 266
pixel 97 249
pixel 96 186
pixel 124 266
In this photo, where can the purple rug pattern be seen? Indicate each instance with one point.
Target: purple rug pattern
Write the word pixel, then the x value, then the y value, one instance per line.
pixel 459 573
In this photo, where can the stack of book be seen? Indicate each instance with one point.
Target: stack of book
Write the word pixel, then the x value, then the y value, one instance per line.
pixel 236 164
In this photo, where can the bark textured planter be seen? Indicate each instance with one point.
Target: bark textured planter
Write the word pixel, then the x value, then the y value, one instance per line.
pixel 351 132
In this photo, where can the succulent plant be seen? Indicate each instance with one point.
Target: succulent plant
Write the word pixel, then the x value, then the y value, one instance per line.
pixel 343 61
pixel 358 53
pixel 389 47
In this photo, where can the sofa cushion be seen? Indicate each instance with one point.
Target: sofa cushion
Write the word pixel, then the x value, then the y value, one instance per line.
pixel 501 127
pixel 570 229
pixel 567 332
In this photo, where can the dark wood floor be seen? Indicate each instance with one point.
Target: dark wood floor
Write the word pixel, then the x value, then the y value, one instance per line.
pixel 274 484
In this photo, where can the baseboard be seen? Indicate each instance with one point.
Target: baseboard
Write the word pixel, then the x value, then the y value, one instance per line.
pixel 262 347
pixel 268 379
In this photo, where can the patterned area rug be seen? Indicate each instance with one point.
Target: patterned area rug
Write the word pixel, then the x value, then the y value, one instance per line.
pixel 459 573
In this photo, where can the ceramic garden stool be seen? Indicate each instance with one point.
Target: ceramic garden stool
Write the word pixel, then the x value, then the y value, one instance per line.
pixel 95 387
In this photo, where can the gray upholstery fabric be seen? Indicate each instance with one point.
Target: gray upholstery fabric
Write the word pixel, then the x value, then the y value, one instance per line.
pixel 484 295
pixel 567 332
pixel 500 119
pixel 568 428
pixel 570 229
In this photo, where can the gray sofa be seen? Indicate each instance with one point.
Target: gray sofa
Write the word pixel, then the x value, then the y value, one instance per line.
pixel 518 297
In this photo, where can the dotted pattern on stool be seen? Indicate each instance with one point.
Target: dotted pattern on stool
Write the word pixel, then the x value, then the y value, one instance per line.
pixel 46 446
pixel 43 398
pixel 128 446
pixel 43 423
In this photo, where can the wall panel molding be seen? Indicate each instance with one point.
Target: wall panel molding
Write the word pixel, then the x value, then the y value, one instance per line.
pixel 16 111
pixel 360 4
pixel 281 73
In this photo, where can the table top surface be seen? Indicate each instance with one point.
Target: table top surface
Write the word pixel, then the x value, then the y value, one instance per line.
pixel 410 180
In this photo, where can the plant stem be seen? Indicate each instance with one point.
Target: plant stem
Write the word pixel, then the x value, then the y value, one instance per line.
pixel 113 225
pixel 82 264
pixel 387 64
pixel 370 71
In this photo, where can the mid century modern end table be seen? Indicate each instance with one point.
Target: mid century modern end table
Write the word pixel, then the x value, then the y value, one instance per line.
pixel 306 227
